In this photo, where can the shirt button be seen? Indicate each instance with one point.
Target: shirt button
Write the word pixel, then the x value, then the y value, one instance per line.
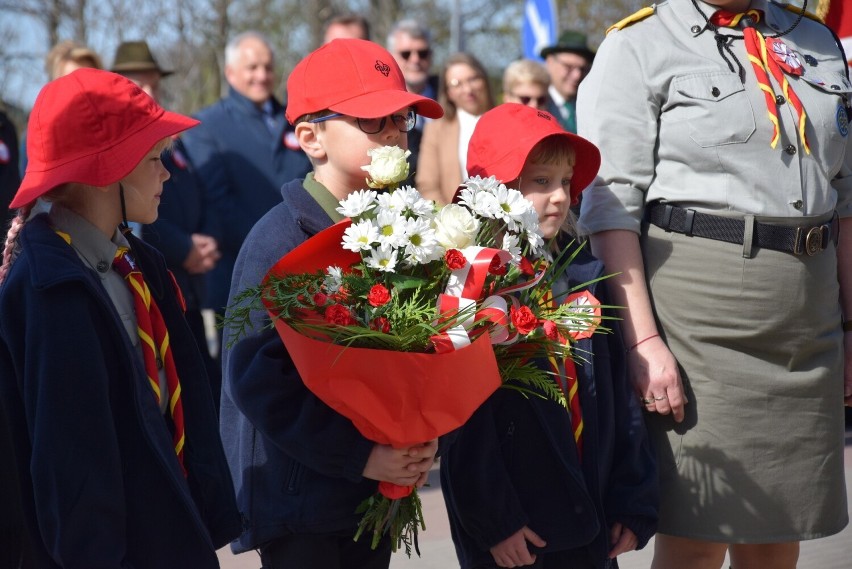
pixel 811 60
pixel 780 100
pixel 695 29
pixel 103 266
pixel 790 149
pixel 715 91
pixel 798 204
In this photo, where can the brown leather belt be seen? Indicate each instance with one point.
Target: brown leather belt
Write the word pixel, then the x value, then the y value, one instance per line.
pixel 802 240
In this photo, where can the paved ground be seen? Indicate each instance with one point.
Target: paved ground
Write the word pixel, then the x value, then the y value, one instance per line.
pixel 437 548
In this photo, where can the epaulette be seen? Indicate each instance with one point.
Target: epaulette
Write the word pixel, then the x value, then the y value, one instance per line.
pixel 798 10
pixel 633 18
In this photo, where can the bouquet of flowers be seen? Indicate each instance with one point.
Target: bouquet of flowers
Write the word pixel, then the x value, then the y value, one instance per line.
pixel 405 317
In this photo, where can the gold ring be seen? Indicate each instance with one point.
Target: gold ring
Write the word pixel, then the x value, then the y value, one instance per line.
pixel 663 398
pixel 646 401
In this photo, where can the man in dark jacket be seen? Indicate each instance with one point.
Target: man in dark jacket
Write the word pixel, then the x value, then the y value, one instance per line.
pixel 180 232
pixel 243 151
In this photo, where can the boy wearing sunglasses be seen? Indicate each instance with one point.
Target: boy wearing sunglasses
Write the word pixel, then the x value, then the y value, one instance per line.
pixel 301 469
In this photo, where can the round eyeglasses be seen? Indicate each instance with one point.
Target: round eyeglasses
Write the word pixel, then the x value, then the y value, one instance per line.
pixel 405 123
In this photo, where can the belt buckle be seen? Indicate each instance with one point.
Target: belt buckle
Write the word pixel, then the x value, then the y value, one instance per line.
pixel 814 240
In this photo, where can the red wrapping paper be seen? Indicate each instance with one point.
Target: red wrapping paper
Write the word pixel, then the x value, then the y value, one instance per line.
pixel 396 398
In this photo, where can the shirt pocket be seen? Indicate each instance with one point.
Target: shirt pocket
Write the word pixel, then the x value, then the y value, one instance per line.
pixel 715 107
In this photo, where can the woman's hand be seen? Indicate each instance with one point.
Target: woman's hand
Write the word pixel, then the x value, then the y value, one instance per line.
pixel 656 378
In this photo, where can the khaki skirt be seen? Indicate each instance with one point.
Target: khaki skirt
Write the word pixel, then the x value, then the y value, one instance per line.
pixel 759 456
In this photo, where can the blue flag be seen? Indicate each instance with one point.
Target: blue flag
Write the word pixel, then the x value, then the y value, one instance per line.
pixel 539 27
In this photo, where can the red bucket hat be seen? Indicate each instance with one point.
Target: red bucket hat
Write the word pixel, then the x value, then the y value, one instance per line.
pixel 505 136
pixel 91 127
pixel 353 77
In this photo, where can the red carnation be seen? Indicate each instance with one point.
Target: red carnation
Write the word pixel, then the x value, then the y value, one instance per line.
pixel 379 295
pixel 523 319
pixel 552 332
pixel 320 299
pixel 340 315
pixel 380 324
pixel 526 267
pixel 497 267
pixel 454 259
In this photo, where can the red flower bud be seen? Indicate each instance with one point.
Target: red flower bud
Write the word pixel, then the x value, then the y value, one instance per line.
pixel 320 299
pixel 380 324
pixel 526 267
pixel 497 267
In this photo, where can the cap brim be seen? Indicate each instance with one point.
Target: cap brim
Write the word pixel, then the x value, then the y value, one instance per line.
pixel 105 167
pixel 587 53
pixel 383 103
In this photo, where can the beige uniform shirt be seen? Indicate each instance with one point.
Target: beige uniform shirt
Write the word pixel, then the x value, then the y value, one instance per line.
pixel 673 122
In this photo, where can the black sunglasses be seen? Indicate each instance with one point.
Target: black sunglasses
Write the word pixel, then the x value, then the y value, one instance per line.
pixel 421 53
pixel 539 101
pixel 404 122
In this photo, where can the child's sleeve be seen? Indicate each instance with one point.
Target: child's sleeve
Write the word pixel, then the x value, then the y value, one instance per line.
pixel 477 489
pixel 632 495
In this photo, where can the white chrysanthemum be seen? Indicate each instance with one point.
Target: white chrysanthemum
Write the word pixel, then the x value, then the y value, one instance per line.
pixel 480 184
pixel 421 245
pixel 536 240
pixel 513 206
pixel 512 244
pixel 383 258
pixel 484 204
pixel 333 279
pixel 391 228
pixel 455 227
pixel 388 166
pixel 357 203
pixel 360 236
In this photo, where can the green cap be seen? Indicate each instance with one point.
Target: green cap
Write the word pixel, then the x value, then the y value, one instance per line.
pixel 570 41
pixel 136 56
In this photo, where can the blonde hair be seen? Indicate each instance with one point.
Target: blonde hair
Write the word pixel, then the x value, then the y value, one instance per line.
pixel 554 150
pixel 522 72
pixel 66 51
pixel 10 248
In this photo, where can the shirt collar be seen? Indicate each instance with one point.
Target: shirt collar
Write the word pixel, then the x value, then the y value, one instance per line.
pixel 322 196
pixel 92 246
pixel 555 96
pixel 692 19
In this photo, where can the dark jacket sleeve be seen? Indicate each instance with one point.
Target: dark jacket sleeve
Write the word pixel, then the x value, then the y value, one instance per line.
pixel 480 489
pixel 75 460
pixel 265 386
pixel 632 495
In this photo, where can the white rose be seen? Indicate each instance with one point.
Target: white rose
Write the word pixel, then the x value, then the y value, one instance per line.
pixel 455 227
pixel 388 166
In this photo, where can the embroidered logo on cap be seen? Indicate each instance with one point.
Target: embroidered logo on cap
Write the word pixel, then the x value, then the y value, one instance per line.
pixel 544 115
pixel 382 67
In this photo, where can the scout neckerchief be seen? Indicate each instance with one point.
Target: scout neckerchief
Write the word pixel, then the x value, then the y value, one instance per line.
pixel 156 347
pixel 768 55
pixel 565 372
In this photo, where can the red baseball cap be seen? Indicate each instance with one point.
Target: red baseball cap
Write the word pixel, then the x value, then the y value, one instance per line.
pixel 353 77
pixel 505 136
pixel 91 127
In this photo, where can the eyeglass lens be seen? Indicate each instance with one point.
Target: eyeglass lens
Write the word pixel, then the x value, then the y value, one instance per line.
pixel 421 53
pixel 404 123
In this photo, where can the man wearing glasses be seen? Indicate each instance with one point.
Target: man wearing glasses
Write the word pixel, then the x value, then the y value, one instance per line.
pixel 410 43
pixel 568 62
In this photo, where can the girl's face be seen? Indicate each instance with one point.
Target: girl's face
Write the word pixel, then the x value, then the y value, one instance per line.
pixel 548 187
pixel 144 186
